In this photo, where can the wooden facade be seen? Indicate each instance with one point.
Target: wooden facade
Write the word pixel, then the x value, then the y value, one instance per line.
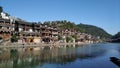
pixel 28 32
pixel 6 29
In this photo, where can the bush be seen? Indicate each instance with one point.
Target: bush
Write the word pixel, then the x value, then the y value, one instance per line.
pixel 14 38
pixel 0 38
pixel 60 37
pixel 68 39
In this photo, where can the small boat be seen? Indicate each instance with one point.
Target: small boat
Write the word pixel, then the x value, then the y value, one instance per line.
pixel 115 61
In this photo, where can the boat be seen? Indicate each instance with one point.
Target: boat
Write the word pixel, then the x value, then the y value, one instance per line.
pixel 115 61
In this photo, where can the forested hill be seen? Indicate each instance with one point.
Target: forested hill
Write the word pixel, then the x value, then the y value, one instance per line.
pixel 116 36
pixel 83 28
pixel 94 30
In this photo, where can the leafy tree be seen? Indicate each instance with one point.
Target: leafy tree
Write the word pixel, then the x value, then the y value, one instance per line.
pixel 1 9
pixel 74 36
pixel 14 38
pixel 68 39
pixel 0 38
pixel 116 36
pixel 60 37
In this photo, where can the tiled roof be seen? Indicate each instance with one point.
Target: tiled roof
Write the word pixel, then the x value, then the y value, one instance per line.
pixel 6 20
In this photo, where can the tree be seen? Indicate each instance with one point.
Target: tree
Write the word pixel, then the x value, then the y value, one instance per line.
pixel 68 39
pixel 116 36
pixel 14 38
pixel 0 38
pixel 60 37
pixel 1 9
pixel 74 36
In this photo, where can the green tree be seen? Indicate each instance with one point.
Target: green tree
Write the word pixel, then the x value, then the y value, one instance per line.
pixel 14 38
pixel 60 37
pixel 1 9
pixel 0 38
pixel 116 36
pixel 68 39
pixel 74 36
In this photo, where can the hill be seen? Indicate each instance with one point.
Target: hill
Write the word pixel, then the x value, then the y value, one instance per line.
pixel 83 28
pixel 94 30
pixel 116 36
pixel 64 24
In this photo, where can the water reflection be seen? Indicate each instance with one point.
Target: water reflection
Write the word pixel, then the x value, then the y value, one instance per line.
pixel 62 56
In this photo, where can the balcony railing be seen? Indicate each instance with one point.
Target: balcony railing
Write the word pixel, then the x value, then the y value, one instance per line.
pixel 54 32
pixel 3 24
pixel 45 32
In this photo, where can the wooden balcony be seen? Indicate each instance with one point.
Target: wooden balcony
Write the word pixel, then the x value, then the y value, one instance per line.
pixel 46 32
pixel 5 30
pixel 55 33
pixel 4 24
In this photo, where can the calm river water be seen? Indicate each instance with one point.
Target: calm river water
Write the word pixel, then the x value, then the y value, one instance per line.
pixel 83 56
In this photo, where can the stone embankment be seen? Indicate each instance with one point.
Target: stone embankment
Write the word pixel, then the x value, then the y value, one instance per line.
pixel 12 45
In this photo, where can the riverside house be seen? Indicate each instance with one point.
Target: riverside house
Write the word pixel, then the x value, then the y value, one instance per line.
pixel 28 32
pixel 35 32
pixel 6 28
pixel 32 32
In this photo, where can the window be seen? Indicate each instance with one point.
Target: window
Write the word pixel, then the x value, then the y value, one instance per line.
pixel 7 27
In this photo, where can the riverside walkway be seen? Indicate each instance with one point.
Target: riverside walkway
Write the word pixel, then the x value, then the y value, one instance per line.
pixel 39 45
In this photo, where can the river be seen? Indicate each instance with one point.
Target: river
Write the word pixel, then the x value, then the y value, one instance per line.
pixel 82 56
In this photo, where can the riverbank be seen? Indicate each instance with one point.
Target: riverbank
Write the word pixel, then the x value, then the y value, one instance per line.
pixel 115 40
pixel 41 44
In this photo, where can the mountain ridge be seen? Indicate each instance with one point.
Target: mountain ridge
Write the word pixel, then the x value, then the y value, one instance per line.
pixel 94 30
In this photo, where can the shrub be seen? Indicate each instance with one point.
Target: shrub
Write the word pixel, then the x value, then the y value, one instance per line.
pixel 14 38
